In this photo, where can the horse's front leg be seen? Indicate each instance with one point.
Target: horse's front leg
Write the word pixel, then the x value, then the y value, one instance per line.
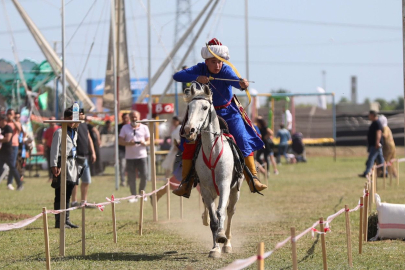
pixel 209 202
pixel 222 203
pixel 233 199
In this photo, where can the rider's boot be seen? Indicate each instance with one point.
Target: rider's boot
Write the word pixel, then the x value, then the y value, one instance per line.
pixel 250 163
pixel 185 187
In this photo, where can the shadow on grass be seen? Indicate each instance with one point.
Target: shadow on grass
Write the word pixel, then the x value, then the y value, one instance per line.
pixel 123 256
pixel 309 254
pixel 340 201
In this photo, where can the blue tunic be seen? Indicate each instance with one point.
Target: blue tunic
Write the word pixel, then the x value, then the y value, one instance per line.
pixel 245 136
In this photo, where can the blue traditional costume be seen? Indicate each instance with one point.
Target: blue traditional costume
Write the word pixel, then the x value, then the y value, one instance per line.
pixel 222 98
pixel 226 106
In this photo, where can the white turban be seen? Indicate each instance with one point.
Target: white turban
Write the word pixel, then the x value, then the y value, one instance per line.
pixel 220 50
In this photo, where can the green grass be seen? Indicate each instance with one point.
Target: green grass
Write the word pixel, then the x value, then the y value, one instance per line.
pixel 297 197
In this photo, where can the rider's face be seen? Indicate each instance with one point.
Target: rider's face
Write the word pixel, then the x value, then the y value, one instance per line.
pixel 214 65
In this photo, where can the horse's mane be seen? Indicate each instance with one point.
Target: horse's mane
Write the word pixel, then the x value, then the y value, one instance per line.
pixel 188 97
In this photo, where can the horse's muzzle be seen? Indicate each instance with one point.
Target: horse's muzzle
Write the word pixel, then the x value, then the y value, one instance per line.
pixel 190 133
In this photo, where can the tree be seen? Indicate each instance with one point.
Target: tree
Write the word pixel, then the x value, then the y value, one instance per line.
pixel 343 100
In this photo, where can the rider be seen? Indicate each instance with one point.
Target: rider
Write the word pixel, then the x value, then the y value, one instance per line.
pixel 240 127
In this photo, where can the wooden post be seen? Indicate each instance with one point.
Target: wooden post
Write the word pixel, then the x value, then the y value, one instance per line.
pixel 390 171
pixel 62 216
pixel 398 172
pixel 325 263
pixel 348 237
pixel 361 225
pixel 260 259
pixel 365 216
pixel 384 173
pixel 46 235
pixel 152 161
pixel 153 168
pixel 63 153
pixel 114 219
pixel 141 214
pixel 168 198
pixel 83 228
pixel 371 184
pixel 181 207
pixel 294 249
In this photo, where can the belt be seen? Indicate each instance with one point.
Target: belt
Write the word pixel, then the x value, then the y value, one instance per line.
pixel 223 106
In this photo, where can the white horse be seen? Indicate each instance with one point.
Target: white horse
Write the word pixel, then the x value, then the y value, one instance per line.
pixel 217 171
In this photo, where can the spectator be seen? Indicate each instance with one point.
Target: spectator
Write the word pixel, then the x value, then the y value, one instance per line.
pixel 287 118
pixel 298 147
pixel 388 145
pixel 374 142
pixel 107 128
pixel 16 127
pixel 96 168
pixel 47 141
pixel 6 152
pixel 22 151
pixel 284 136
pixel 85 151
pixel 267 151
pixel 121 148
pixel 71 166
pixel 135 138
pixel 175 136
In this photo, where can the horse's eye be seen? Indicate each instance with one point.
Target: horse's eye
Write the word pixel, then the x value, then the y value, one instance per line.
pixel 205 108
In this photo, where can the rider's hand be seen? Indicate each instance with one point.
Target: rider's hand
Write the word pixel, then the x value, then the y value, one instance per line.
pixel 244 84
pixel 203 79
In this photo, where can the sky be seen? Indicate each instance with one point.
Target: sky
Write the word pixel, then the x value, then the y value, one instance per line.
pixel 290 42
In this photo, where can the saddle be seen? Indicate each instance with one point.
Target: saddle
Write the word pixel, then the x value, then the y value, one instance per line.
pixel 238 158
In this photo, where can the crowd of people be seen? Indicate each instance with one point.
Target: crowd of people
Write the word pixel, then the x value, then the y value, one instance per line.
pixel 14 145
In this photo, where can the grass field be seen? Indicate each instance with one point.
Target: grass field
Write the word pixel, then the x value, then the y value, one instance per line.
pixel 297 197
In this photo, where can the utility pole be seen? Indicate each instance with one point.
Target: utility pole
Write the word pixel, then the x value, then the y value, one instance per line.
pixel 248 109
pixel 403 52
pixel 324 80
pixel 63 57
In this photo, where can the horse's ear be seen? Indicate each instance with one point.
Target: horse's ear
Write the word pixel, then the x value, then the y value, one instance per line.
pixel 207 90
pixel 192 90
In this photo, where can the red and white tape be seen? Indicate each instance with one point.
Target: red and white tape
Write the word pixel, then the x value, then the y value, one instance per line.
pixel 100 206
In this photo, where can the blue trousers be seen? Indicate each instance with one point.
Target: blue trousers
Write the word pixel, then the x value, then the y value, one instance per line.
pixel 13 160
pixel 282 150
pixel 373 154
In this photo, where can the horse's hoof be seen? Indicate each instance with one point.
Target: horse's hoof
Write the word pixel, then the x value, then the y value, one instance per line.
pixel 221 237
pixel 226 249
pixel 214 254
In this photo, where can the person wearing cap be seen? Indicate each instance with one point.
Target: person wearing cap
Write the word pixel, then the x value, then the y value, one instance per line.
pixel 374 142
pixel 226 107
pixel 71 166
pixel 6 152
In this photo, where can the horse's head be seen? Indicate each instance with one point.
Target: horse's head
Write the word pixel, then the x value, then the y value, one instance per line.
pixel 199 111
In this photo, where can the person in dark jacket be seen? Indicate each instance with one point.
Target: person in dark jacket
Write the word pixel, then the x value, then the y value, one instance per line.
pixel 374 142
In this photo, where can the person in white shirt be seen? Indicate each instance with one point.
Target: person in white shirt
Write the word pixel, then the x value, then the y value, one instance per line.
pixel 287 119
pixel 135 137
pixel 168 163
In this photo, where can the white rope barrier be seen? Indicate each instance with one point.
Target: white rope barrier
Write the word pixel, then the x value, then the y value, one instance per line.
pixel 243 263
pixel 100 206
